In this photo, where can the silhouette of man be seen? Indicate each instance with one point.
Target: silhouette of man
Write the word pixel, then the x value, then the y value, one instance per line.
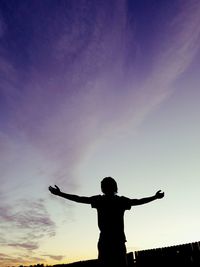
pixel 110 210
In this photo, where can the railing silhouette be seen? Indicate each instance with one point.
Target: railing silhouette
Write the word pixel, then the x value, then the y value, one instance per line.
pixel 186 255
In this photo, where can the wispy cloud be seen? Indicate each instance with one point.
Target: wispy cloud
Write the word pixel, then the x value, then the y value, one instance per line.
pixel 14 260
pixel 176 49
pixel 25 224
pixel 54 257
pixel 56 110
pixel 3 256
pixel 61 109
pixel 27 246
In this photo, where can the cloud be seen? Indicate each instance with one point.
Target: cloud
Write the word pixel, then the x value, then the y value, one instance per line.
pixel 83 92
pixel 11 260
pixel 52 104
pixel 34 215
pixel 3 256
pixel 173 53
pixel 54 257
pixel 5 214
pixel 25 224
pixel 27 246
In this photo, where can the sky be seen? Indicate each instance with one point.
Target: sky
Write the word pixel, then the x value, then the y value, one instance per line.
pixel 90 89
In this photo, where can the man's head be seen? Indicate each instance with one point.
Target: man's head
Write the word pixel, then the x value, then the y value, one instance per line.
pixel 109 186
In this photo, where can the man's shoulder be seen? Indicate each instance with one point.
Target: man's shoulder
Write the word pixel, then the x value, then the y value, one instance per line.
pixel 96 197
pixel 126 202
pixel 124 198
pixel 95 200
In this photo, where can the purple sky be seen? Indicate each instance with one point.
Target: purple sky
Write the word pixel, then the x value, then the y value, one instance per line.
pixel 73 75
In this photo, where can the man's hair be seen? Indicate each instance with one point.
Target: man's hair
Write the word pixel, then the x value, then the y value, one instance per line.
pixel 108 184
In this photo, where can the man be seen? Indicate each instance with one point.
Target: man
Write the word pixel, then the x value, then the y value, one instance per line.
pixel 110 210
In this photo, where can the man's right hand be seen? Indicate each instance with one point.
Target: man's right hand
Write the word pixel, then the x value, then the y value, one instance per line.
pixel 54 190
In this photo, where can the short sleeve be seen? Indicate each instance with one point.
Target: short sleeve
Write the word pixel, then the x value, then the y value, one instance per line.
pixel 126 203
pixel 95 200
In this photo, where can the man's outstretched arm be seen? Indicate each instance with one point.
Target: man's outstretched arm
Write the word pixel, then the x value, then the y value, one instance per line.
pixel 158 195
pixel 56 191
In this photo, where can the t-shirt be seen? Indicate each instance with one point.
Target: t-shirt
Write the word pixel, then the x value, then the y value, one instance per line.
pixel 110 211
